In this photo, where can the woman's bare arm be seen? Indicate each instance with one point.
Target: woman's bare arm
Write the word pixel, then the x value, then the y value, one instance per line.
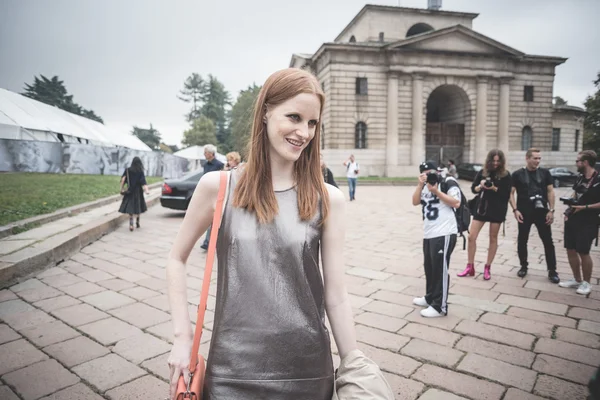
pixel 337 301
pixel 197 219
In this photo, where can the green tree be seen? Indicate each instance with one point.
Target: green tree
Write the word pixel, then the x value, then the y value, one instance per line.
pixel 591 124
pixel 193 91
pixel 202 132
pixel 53 92
pixel 215 101
pixel 559 101
pixel 151 137
pixel 241 118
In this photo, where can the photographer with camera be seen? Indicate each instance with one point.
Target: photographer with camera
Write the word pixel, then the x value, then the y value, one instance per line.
pixel 440 230
pixel 534 206
pixel 581 222
pixel 492 186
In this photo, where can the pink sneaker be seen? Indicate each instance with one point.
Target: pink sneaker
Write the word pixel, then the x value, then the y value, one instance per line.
pixel 486 272
pixel 469 271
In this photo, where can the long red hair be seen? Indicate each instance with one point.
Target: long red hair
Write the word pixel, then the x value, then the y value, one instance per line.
pixel 254 191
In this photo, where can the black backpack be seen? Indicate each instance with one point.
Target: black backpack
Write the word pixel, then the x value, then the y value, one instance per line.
pixel 462 213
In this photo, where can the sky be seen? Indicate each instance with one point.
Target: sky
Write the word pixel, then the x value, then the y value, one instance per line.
pixel 127 60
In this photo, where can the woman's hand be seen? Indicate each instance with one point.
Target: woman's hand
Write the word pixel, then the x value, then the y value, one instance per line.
pixel 179 362
pixel 482 184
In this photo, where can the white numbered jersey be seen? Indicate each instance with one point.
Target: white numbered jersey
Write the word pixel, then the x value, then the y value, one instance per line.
pixel 438 218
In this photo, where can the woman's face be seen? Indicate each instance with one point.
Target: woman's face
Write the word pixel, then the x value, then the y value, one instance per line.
pixel 291 126
pixel 495 162
pixel 232 162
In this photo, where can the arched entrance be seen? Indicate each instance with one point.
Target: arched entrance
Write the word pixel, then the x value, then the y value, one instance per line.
pixel 448 119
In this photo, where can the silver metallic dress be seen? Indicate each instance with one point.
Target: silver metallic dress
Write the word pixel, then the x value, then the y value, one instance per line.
pixel 269 338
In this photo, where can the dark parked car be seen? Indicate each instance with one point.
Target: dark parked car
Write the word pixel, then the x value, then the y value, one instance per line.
pixel 563 177
pixel 176 193
pixel 468 171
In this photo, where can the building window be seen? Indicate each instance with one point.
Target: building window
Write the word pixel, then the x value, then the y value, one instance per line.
pixel 362 86
pixel 576 139
pixel 526 138
pixel 323 86
pixel 555 139
pixel 381 35
pixel 360 135
pixel 352 39
pixel 322 136
pixel 528 93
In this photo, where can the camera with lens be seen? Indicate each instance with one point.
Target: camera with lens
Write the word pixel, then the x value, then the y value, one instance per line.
pixel 569 201
pixel 538 201
pixel 489 182
pixel 433 178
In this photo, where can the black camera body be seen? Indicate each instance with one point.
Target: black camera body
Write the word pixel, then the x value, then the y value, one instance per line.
pixel 538 201
pixel 569 201
pixel 433 178
pixel 488 182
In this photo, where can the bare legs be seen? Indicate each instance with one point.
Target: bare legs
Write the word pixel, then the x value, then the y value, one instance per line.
pixel 475 228
pixel 494 229
pixel 576 261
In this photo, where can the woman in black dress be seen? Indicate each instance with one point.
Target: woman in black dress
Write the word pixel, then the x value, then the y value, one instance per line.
pixel 133 201
pixel 492 186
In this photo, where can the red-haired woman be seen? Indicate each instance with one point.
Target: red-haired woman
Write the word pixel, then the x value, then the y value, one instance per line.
pixel 492 185
pixel 269 337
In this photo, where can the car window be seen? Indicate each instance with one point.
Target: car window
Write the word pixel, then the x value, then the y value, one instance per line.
pixel 193 176
pixel 477 167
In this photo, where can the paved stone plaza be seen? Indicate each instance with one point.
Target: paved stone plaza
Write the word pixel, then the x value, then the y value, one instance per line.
pixel 97 326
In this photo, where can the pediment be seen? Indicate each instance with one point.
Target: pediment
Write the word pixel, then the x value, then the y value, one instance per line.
pixel 457 39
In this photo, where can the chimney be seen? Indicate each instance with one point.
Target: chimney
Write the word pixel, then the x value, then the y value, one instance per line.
pixel 434 4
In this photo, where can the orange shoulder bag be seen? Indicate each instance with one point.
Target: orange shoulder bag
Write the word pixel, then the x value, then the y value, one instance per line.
pixel 193 391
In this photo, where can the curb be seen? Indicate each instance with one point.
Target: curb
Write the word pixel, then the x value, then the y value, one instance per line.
pixel 57 248
pixel 39 220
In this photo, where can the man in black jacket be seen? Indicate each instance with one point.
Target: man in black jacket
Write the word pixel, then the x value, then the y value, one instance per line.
pixel 581 222
pixel 534 206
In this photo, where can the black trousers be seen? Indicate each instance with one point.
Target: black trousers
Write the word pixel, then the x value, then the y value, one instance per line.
pixel 537 218
pixel 437 253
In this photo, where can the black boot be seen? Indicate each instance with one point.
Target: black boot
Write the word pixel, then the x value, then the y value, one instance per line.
pixel 137 222
pixel 553 277
pixel 522 272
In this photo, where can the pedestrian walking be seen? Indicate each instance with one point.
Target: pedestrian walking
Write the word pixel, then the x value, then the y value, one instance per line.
pixel 269 337
pixel 133 202
pixel 352 171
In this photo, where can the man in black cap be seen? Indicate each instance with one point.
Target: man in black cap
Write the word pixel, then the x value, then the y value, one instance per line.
pixel 440 230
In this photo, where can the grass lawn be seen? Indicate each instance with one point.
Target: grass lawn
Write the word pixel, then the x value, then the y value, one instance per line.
pixel 25 195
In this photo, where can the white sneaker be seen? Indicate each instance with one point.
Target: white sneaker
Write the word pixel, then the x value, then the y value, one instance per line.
pixel 584 288
pixel 431 312
pixel 571 283
pixel 420 301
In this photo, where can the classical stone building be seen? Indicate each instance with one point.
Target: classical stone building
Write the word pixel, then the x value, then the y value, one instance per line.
pixel 406 84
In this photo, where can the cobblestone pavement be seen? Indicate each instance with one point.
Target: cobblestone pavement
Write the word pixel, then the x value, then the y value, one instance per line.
pixel 97 326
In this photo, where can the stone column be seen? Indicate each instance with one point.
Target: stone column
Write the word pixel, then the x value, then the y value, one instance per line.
pixel 391 155
pixel 481 121
pixel 418 135
pixel 503 116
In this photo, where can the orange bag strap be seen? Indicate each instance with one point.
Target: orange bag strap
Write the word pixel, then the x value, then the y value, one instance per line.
pixel 210 257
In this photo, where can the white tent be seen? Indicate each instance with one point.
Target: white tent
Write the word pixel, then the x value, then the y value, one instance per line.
pixel 23 118
pixel 197 153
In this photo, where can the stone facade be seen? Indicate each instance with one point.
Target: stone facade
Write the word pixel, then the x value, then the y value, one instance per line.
pixel 428 86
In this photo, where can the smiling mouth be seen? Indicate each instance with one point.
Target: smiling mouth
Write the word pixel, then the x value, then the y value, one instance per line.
pixel 296 143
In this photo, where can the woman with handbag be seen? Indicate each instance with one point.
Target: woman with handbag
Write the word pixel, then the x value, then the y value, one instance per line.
pixel 133 202
pixel 492 186
pixel 269 338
